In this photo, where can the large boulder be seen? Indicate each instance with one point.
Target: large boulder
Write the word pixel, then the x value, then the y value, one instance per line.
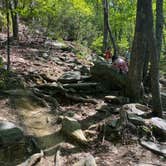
pixel 110 78
pixel 9 133
pixel 136 109
pixel 155 147
pixel 134 112
pixel 72 128
pixel 158 127
pixel 70 77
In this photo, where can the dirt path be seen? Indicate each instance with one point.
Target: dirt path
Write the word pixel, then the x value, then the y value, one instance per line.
pixel 43 124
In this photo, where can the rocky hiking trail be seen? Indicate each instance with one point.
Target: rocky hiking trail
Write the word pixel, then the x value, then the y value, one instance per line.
pixel 57 114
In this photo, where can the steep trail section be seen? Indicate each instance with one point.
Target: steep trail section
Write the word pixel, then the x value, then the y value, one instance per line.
pixel 37 120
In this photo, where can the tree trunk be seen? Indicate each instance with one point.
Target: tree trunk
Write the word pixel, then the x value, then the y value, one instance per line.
pixel 146 64
pixel 8 35
pixel 112 39
pixel 107 28
pixel 14 16
pixel 105 37
pixel 159 24
pixel 154 59
pixel 135 75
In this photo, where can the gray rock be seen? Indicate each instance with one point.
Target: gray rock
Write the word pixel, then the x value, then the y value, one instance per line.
pixel 159 127
pixel 136 109
pixel 9 133
pixel 84 70
pixel 72 128
pixel 70 77
pixel 55 44
pixel 155 147
pixel 45 55
pixel 87 161
pixel 116 99
pixel 104 73
pixel 136 120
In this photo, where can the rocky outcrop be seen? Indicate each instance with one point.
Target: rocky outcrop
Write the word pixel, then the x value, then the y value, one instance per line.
pixel 72 128
pixel 104 73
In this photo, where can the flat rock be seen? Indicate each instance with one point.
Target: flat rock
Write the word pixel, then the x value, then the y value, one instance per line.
pixel 70 77
pixel 55 44
pixel 9 133
pixel 116 99
pixel 87 161
pixel 72 128
pixel 155 147
pixel 136 120
pixel 137 109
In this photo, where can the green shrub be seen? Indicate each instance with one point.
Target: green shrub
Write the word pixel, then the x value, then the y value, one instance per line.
pixel 97 45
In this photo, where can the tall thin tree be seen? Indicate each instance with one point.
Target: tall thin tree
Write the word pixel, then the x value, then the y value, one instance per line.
pixel 154 59
pixel 159 24
pixel 107 28
pixel 8 34
pixel 14 16
pixel 135 74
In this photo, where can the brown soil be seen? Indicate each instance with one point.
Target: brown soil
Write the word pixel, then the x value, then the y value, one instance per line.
pixel 38 121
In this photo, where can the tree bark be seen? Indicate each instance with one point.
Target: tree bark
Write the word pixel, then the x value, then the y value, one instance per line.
pixel 135 75
pixel 159 24
pixel 8 34
pixel 154 59
pixel 105 37
pixel 14 16
pixel 107 28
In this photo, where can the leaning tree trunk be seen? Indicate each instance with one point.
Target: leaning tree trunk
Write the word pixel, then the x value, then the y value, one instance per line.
pixel 135 75
pixel 107 28
pixel 159 24
pixel 154 59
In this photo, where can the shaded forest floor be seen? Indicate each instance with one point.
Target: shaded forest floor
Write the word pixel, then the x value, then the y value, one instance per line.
pixel 36 64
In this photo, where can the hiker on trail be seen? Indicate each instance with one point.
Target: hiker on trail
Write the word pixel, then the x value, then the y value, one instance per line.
pixel 119 64
pixel 108 54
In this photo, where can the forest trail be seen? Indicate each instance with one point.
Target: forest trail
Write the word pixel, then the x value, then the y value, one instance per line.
pixel 37 64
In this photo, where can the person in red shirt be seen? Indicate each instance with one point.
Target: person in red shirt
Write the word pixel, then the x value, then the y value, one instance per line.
pixel 108 54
